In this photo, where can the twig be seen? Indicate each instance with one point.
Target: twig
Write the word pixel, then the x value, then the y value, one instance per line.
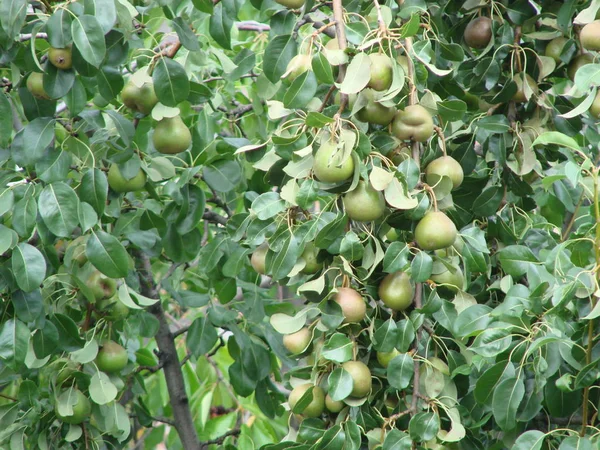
pixel 220 203
pixel 211 79
pixel 214 217
pixel 27 36
pixel 186 358
pixel 181 331
pixel 569 226
pixel 327 97
pixel 440 134
pixel 340 31
pixel 380 21
pixel 220 439
pixel 417 368
pixel 164 420
pixel 252 26
pixel 8 397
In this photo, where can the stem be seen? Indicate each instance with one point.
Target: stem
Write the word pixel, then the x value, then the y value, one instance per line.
pixel 412 96
pixel 380 21
pixel 417 369
pixel 440 134
pixel 340 31
pixel 184 422
pixel 569 226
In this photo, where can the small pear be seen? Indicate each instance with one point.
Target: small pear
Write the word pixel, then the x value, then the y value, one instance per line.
pixel 297 342
pixel 555 47
pixel 381 72
pixel 435 231
pixel 578 62
pixel 35 85
pixel 353 305
pixel 364 203
pixel 119 183
pixel 361 377
pixel 520 96
pixel 171 136
pixel 296 67
pixel 478 32
pixel 315 407
pixel 414 122
pixel 444 166
pixel 595 107
pixel 61 58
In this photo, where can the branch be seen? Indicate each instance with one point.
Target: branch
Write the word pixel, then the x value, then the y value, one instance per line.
pixel 28 36
pixel 251 25
pixel 417 368
pixel 184 422
pixel 214 218
pixel 248 75
pixel 221 439
pixel 181 331
pixel 340 31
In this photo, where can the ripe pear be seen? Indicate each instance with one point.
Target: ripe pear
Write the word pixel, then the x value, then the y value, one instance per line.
pixel 326 164
pixel 384 358
pixel 258 258
pixel 374 112
pixel 364 203
pixel 171 136
pixel 555 47
pixel 291 4
pixel 315 407
pixel 334 406
pixel 578 62
pixel 297 342
pixel 35 85
pixel 595 107
pixel 435 231
pixel 309 255
pixel 381 72
pixel 119 183
pixel 520 96
pixel 61 58
pixel 478 32
pixel 296 67
pixel 414 122
pixel 444 166
pixel 142 99
pixel 396 291
pixel 361 377
pixel 590 36
pixel 353 305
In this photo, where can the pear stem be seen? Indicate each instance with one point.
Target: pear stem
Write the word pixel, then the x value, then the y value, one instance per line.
pixel 440 134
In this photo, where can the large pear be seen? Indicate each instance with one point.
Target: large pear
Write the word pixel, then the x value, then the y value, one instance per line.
pixel 171 136
pixel 364 203
pixel 328 166
pixel 435 231
pixel 396 291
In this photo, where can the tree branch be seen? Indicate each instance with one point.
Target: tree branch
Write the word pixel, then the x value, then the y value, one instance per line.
pixel 184 422
pixel 221 439
pixel 214 217
pixel 340 32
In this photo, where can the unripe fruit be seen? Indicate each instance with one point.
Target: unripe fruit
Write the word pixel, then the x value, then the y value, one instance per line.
pixel 296 67
pixel 142 99
pixel 381 72
pixel 595 107
pixel 334 406
pixel 452 281
pixel 315 407
pixel 171 136
pixel 111 357
pixel 353 305
pixel 101 286
pixel 76 248
pixel 435 231
pixel 444 166
pixel 309 255
pixel 396 291
pixel 374 112
pixel 114 309
pixel 520 96
pixel 361 377
pixel 35 85
pixel 414 122
pixel 61 58
pixel 291 4
pixel 297 342
pixel 578 62
pixel 364 203
pixel 119 183
pixel 258 258
pixel 590 36
pixel 326 164
pixel 65 370
pixel 555 47
pixel 81 409
pixel 478 32
pixel 384 358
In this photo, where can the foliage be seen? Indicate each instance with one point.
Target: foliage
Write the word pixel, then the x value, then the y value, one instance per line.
pixel 213 185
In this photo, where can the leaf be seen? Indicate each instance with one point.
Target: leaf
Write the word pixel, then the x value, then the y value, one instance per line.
pixel 556 138
pixel 400 371
pixel 88 37
pixel 58 206
pixel 341 384
pixel 358 74
pixel 396 257
pixel 280 264
pixel 220 24
pixel 171 82
pixel 37 136
pixel 516 259
pixel 338 348
pixel 107 254
pixel 223 175
pixel 68 332
pixel 102 390
pixel 285 324
pixel 201 337
pixel 5 120
pixel 12 17
pixel 386 336
pixel 488 202
pixel 421 267
pixel 506 399
pixel 397 197
pixel 530 440
pixel 28 266
pixel 277 55
pixel 424 426
pixel 45 340
pixel 14 341
pixel 301 91
pixel 267 205
pixel 94 189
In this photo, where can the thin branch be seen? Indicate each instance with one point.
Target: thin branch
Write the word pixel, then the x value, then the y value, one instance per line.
pixel 181 331
pixel 211 79
pixel 214 217
pixel 164 420
pixel 8 397
pixel 220 439
pixel 418 300
pixel 380 21
pixel 28 36
pixel 340 31
pixel 251 25
pixel 221 204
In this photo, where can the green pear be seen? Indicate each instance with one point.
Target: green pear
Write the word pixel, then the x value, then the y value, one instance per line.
pixel 328 166
pixel 61 58
pixel 435 231
pixel 171 135
pixel 396 291
pixel 382 72
pixel 35 85
pixel 119 183
pixel 364 203
pixel 590 36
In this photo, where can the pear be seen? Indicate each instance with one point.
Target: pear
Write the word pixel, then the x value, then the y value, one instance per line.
pixel 61 58
pixel 396 291
pixel 435 231
pixel 327 167
pixel 119 183
pixel 142 99
pixel 595 107
pixel 171 136
pixel 578 62
pixel 35 85
pixel 364 203
pixel 590 36
pixel 478 32
pixel 520 96
pixel 353 305
pixel 296 67
pixel 444 166
pixel 381 72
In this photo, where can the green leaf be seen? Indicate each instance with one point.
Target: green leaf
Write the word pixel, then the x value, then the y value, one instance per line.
pixel 488 202
pixel 192 209
pixel 201 337
pixel 220 24
pixel 506 399
pixel 5 120
pixel 58 28
pixel 280 264
pixel 110 82
pixel 452 110
pixel 277 55
pixel 12 17
pixel 301 91
pixel 28 266
pixel 37 136
pixel 406 335
pixel 421 267
pixel 491 342
pixel 338 348
pixel 58 206
pixel 396 257
pixel 187 37
pixel 14 341
pixel 94 189
pixel 516 259
pixel 358 74
pixel 102 390
pixel 530 440
pixel 340 384
pixel 397 440
pixel 223 175
pixel 267 205
pixel 556 138
pixel 57 82
pixel 45 340
pixel 107 254
pixel 386 336
pixel 68 332
pixel 424 426
pixel 570 443
pixel 88 37
pixel 400 371
pixel 171 82
pixel 322 68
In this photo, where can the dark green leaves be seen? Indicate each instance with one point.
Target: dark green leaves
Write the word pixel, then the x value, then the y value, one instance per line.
pixel 58 205
pixel 301 91
pixel 171 82
pixel 516 259
pixel 400 371
pixel 107 254
pixel 223 175
pixel 340 384
pixel 94 189
pixel 506 399
pixel 424 426
pixel 14 340
pixel 201 337
pixel 88 36
pixel 28 266
pixel 12 17
pixel 220 25
pixel 277 55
